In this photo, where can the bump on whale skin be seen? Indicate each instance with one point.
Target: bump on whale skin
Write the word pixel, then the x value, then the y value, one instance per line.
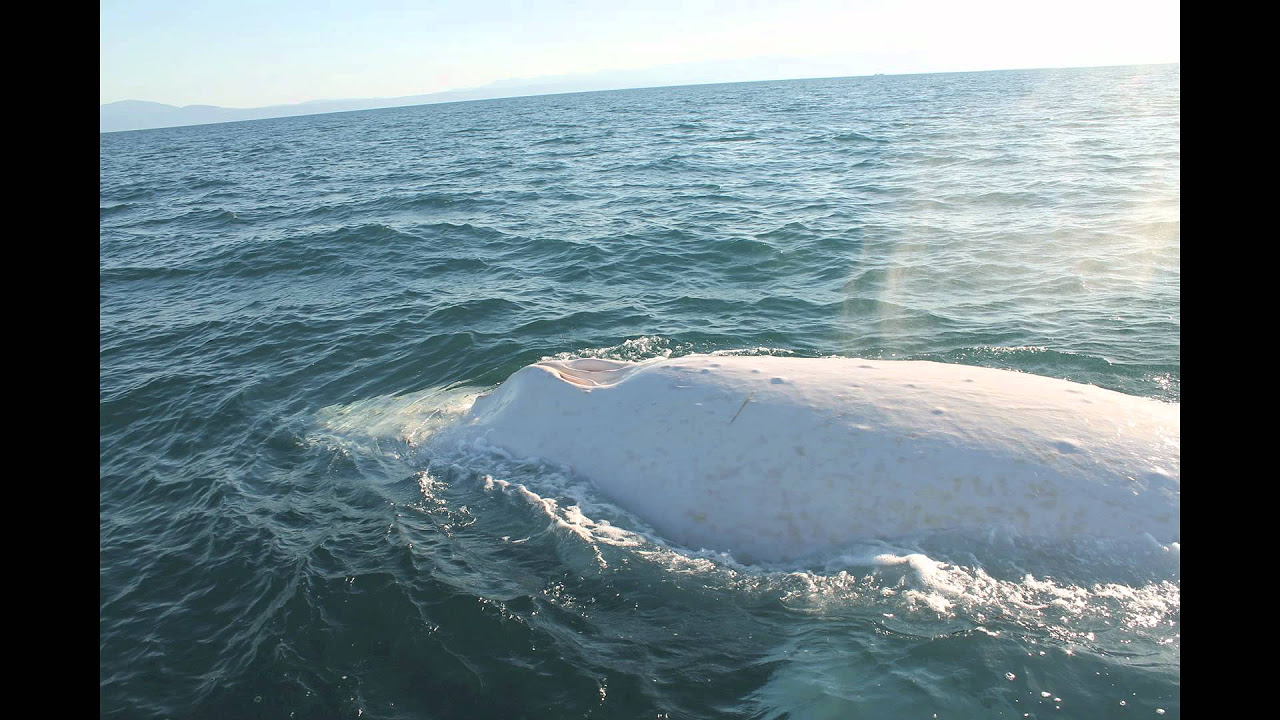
pixel 772 459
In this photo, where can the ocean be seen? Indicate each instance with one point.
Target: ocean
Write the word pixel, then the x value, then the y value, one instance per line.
pixel 292 309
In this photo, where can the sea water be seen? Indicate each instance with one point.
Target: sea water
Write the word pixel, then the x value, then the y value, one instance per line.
pixel 293 312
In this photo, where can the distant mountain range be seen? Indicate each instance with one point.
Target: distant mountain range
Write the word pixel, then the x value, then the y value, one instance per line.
pixel 141 115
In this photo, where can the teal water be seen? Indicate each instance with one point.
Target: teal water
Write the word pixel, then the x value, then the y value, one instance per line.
pixel 289 308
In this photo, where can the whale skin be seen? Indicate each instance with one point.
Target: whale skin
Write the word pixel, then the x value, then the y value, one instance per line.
pixel 776 458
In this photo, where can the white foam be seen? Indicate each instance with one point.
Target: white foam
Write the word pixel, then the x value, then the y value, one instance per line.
pixel 900 579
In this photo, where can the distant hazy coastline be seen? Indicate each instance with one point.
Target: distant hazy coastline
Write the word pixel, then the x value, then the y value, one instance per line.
pixel 144 115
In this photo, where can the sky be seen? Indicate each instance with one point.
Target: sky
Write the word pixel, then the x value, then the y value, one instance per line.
pixel 239 53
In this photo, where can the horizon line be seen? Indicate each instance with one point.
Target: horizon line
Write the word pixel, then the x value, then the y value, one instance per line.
pixel 566 92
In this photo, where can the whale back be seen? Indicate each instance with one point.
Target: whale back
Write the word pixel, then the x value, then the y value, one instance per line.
pixel 776 458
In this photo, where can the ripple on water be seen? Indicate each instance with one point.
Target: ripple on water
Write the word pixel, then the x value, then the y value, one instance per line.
pixel 292 310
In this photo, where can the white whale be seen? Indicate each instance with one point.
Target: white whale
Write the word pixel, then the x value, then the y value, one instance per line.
pixel 772 459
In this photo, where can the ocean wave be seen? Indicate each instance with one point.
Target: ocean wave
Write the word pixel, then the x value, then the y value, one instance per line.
pixel 293 313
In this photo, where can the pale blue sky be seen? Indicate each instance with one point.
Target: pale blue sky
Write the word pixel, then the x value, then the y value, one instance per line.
pixel 237 53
